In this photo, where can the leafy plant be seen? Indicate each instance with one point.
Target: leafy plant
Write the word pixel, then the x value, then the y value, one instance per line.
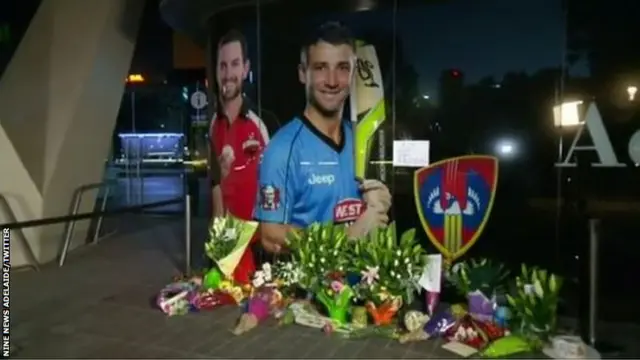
pixel 224 235
pixel 479 275
pixel 388 267
pixel 535 303
pixel 321 254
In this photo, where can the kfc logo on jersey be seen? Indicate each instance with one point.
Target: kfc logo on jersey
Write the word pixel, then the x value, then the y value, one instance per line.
pixel 269 197
pixel 348 210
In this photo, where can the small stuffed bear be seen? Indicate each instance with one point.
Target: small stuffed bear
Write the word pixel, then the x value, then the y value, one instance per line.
pixel 414 321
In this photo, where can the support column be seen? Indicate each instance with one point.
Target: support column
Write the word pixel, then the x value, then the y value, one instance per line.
pixel 59 99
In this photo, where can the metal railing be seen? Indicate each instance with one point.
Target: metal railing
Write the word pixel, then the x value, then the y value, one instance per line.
pixel 72 218
pixel 76 201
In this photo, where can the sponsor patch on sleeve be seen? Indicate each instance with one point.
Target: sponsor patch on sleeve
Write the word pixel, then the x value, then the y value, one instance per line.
pixel 269 197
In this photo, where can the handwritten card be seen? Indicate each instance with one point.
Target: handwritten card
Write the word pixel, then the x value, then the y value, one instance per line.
pixel 432 275
pixel 411 153
pixel 460 349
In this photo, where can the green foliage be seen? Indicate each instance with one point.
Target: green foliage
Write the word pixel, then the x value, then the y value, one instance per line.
pixel 319 252
pixel 399 264
pixel 535 303
pixel 483 275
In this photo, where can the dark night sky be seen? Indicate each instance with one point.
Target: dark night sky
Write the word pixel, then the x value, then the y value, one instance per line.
pixel 481 38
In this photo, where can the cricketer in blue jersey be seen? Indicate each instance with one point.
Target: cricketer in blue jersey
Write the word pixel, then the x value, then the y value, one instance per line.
pixel 307 171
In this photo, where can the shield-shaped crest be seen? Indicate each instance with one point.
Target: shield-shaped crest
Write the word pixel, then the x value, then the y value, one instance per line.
pixel 454 198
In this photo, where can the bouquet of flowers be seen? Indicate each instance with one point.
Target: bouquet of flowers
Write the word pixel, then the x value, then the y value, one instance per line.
pixel 287 275
pixel 321 254
pixel 228 238
pixel 480 281
pixel 390 271
pixel 535 304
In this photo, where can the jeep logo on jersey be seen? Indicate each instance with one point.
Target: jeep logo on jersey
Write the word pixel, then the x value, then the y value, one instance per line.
pixel 348 210
pixel 321 179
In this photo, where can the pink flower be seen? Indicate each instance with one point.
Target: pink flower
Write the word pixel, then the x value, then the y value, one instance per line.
pixel 337 286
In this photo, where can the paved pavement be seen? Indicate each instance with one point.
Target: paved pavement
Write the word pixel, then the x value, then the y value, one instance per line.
pixel 99 306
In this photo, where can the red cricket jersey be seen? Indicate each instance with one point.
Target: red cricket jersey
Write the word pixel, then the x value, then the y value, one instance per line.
pixel 243 140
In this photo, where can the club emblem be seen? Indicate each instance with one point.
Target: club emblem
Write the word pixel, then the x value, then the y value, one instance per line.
pixel 454 198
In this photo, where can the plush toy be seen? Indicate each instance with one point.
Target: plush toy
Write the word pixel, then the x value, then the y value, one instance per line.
pixel 258 309
pixel 414 322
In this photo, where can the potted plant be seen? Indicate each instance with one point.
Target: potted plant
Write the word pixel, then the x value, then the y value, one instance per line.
pixel 535 304
pixel 481 281
pixel 321 254
pixel 228 238
pixel 389 271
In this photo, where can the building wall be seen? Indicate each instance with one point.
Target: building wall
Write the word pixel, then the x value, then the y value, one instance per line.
pixel 59 98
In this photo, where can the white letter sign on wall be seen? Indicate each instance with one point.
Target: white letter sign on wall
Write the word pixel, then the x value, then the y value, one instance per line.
pixel 601 142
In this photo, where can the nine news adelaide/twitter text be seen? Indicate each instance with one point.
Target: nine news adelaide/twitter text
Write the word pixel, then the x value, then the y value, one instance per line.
pixel 6 275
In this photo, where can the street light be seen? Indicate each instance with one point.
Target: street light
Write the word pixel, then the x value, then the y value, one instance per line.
pixel 506 148
pixel 567 114
pixel 135 78
pixel 632 90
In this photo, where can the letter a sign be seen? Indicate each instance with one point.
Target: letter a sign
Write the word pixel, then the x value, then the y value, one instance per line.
pixel 601 142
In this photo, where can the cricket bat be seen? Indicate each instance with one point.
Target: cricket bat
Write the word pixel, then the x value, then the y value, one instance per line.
pixel 367 106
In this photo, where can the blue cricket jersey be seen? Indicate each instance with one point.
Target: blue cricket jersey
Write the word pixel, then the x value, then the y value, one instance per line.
pixel 305 177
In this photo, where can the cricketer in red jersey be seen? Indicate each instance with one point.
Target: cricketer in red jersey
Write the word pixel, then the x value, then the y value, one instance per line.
pixel 237 136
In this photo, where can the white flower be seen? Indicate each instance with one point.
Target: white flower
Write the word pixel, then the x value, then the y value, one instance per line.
pixel 370 275
pixel 528 289
pixel 230 234
pixel 266 270
pixel 322 260
pixel 406 260
pixel 219 224
pixel 456 268
pixel 471 333
pixel 258 279
pixel 393 273
pixel 396 263
pixel 399 253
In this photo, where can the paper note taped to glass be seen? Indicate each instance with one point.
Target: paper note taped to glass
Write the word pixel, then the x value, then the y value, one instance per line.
pixel 411 153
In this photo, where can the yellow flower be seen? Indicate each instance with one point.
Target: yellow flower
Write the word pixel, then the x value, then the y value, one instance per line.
pixel 225 285
pixel 237 293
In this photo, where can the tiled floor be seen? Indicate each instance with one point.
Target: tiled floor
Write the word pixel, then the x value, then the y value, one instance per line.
pixel 98 306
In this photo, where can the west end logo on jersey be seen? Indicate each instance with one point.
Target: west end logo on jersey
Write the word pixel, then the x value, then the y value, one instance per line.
pixel 454 198
pixel 327 179
pixel 269 197
pixel 348 210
